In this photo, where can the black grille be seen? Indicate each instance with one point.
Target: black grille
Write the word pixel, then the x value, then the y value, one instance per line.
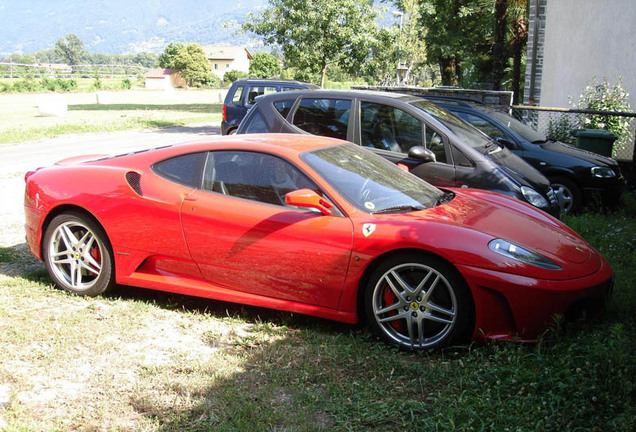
pixel 134 180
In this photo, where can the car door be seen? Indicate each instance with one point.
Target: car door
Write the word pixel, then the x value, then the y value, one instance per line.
pixel 391 132
pixel 244 238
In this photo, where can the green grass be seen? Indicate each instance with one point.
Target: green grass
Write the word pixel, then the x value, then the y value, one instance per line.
pixel 20 119
pixel 139 360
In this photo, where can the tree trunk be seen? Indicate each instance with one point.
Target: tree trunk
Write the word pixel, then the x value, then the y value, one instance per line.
pixel 323 76
pixel 518 43
pixel 447 68
pixel 501 17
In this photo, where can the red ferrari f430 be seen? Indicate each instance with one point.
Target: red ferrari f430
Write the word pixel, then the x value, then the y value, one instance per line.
pixel 315 226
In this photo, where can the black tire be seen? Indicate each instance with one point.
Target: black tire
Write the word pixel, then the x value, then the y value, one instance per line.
pixel 568 194
pixel 78 255
pixel 418 313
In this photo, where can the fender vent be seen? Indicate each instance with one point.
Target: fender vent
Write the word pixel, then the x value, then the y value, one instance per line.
pixel 134 181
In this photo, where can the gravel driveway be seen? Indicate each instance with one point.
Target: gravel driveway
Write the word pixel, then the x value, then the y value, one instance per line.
pixel 17 159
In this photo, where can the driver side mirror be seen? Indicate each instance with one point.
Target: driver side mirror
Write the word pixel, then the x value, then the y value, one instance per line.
pixel 503 142
pixel 423 154
pixel 309 199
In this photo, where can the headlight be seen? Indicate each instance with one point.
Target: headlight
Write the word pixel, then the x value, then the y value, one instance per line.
pixel 534 197
pixel 603 172
pixel 519 253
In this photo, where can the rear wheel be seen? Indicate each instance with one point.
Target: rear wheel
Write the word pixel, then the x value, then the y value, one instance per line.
pixel 418 302
pixel 77 255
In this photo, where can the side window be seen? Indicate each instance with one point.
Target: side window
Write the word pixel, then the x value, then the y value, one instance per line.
pixel 184 169
pixel 481 124
pixel 288 88
pixel 238 95
pixel 255 176
pixel 255 123
pixel 324 117
pixel 255 91
pixel 388 128
pixel 283 106
pixel 435 143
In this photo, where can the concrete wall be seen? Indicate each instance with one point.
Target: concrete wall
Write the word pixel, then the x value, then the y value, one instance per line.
pixel 586 39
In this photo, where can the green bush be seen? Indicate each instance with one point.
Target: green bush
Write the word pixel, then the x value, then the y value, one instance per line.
pixel 126 84
pixel 233 75
pixel 66 85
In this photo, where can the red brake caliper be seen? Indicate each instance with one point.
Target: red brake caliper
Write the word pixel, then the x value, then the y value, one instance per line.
pixel 388 298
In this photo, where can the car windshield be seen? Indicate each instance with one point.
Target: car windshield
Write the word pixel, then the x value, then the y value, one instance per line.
pixel 463 130
pixel 371 183
pixel 521 128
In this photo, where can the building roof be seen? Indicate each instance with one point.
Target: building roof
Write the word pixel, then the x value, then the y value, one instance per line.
pixel 158 73
pixel 225 52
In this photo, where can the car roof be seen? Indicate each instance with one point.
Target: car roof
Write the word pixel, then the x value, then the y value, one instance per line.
pixel 345 93
pixel 288 145
pixel 272 81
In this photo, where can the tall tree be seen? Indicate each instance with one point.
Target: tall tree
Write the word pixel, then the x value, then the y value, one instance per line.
pixel 192 64
pixel 314 34
pixel 71 50
pixel 498 56
pixel 518 41
pixel 168 54
pixel 456 31
pixel 264 65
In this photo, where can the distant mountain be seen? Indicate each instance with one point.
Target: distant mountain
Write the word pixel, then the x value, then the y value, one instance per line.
pixel 122 26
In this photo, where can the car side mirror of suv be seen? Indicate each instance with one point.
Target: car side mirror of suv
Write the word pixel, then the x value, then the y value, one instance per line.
pixel 423 154
pixel 309 199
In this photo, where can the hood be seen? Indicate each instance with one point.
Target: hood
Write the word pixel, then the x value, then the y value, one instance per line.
pixel 592 158
pixel 519 169
pixel 497 216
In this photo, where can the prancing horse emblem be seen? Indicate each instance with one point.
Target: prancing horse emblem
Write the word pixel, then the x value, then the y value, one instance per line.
pixel 367 229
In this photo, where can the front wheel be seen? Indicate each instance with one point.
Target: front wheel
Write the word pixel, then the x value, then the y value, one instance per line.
pixel 567 193
pixel 77 255
pixel 418 302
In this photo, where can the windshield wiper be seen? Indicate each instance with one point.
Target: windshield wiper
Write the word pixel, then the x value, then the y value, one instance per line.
pixel 444 198
pixel 399 209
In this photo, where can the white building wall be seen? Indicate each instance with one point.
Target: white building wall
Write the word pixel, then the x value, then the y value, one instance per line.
pixel 586 39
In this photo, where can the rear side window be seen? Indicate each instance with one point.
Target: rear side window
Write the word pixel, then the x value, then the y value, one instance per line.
pixel 257 91
pixel 185 169
pixel 255 123
pixel 238 94
pixel 284 106
pixel 324 117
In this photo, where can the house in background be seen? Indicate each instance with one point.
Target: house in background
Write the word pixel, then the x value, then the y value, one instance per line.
pixel 163 79
pixel 227 58
pixel 572 41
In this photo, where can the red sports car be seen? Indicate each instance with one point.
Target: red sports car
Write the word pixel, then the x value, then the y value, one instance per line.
pixel 315 226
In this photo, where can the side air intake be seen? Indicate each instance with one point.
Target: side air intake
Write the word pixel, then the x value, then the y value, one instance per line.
pixel 134 181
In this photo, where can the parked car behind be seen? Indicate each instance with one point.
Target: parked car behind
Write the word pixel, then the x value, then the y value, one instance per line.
pixel 578 177
pixel 240 98
pixel 433 143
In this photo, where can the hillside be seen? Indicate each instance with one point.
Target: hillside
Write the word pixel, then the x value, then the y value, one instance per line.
pixel 121 26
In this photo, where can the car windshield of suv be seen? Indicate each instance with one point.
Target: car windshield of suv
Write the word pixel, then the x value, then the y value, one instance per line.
pixel 521 128
pixel 464 131
pixel 371 183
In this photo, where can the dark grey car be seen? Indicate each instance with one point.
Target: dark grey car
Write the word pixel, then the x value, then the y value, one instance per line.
pixel 433 143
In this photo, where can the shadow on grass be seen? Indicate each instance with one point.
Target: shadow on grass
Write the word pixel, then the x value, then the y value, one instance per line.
pixel 212 108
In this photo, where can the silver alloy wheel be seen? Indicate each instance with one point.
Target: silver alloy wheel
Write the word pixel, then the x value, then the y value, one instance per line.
pixel 414 305
pixel 75 255
pixel 564 195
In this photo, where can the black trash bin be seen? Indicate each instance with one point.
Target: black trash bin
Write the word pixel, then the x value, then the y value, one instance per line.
pixel 598 141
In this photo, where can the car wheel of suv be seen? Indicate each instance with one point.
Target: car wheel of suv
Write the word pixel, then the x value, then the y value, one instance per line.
pixel 567 193
pixel 418 302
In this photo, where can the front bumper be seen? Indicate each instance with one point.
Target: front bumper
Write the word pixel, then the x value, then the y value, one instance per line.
pixel 509 306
